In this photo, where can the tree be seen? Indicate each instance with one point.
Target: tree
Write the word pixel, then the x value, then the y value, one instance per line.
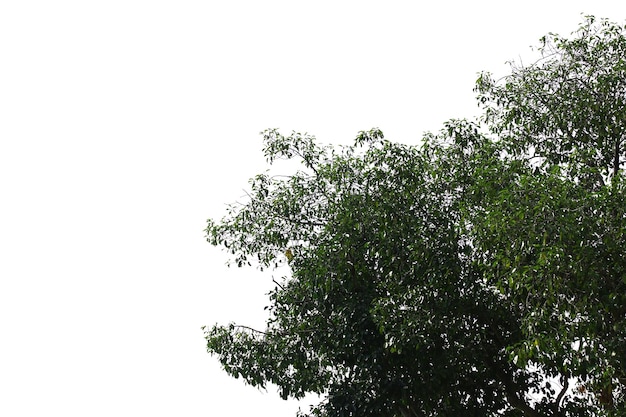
pixel 479 273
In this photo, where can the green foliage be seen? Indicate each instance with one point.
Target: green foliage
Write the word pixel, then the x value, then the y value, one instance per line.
pixel 479 273
pixel 557 232
pixel 570 105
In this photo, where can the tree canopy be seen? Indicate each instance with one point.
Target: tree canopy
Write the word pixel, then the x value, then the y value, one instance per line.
pixel 478 273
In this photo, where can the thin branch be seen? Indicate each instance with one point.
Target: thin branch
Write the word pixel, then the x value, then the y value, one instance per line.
pixel 279 333
pixel 276 282
pixel 307 162
pixel 239 326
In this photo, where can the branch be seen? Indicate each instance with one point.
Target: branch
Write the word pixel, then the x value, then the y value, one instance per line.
pixel 520 404
pixel 239 326
pixel 559 398
pixel 278 333
pixel 510 392
pixel 306 160
pixel 276 282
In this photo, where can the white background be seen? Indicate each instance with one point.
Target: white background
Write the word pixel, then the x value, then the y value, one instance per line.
pixel 124 125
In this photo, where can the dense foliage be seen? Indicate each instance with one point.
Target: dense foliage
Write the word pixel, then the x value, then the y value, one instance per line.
pixel 481 273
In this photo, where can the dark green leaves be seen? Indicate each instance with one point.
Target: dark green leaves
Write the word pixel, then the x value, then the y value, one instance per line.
pixel 459 277
pixel 568 108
